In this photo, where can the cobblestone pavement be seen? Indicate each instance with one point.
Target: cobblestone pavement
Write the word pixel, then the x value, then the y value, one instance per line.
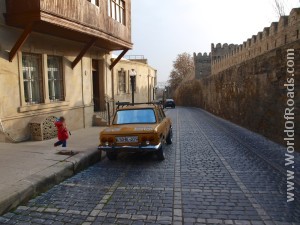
pixel 214 173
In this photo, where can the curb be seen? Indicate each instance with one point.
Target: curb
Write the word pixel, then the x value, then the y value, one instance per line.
pixel 23 190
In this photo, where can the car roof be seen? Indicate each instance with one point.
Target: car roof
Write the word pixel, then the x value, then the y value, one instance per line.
pixel 139 106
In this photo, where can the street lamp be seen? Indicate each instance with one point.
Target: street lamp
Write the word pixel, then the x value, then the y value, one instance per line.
pixel 164 96
pixel 132 75
pixel 167 91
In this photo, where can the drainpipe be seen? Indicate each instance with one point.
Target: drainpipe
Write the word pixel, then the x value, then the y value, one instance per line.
pixel 113 84
pixel 82 94
pixel 106 77
pixel 149 94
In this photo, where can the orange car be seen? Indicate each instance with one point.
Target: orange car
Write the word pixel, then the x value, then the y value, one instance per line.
pixel 137 128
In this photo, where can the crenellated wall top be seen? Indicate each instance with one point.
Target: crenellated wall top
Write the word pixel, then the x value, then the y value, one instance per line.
pixel 285 31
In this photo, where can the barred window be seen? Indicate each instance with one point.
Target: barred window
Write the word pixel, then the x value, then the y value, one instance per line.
pixel 116 10
pixel 55 78
pixel 32 78
pixel 122 81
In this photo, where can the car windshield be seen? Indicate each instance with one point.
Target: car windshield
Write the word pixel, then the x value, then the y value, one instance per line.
pixel 135 116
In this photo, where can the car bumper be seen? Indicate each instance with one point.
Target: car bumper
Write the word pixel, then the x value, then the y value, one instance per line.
pixel 146 148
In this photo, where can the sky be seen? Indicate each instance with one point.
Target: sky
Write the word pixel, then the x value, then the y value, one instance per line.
pixel 162 29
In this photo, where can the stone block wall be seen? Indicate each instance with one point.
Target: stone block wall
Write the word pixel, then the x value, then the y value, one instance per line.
pixel 253 93
pixel 247 82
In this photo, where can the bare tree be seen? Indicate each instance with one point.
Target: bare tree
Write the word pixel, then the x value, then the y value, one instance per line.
pixel 279 8
pixel 183 69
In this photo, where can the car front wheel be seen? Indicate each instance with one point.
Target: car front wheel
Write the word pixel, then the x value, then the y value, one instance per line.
pixel 160 154
pixel 169 139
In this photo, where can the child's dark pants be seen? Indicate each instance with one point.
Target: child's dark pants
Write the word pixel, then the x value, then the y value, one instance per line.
pixel 63 143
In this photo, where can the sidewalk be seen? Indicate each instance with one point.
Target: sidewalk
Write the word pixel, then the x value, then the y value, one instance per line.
pixel 29 168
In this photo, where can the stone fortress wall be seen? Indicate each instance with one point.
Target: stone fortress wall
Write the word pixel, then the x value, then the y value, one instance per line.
pixel 278 34
pixel 246 84
pixel 202 65
pixel 224 56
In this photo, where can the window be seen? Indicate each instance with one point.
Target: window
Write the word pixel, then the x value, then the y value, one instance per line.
pixel 116 10
pixel 42 80
pixel 32 78
pixel 95 2
pixel 55 78
pixel 122 81
pixel 161 115
pixel 135 116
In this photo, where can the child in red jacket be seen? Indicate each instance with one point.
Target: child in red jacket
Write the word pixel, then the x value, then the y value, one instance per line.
pixel 62 132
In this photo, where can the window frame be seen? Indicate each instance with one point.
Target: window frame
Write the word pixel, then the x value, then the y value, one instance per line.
pixel 94 2
pixel 60 80
pixel 45 101
pixel 115 119
pixel 161 114
pixel 122 86
pixel 29 82
pixel 116 9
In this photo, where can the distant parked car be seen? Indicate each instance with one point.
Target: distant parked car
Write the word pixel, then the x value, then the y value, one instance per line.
pixel 169 103
pixel 137 128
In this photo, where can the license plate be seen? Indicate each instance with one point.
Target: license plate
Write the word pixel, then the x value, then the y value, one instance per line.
pixel 128 139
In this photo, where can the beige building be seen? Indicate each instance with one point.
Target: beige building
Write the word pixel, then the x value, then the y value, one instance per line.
pixel 55 60
pixel 145 81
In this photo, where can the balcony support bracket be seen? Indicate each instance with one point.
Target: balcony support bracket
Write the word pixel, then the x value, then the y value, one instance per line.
pixel 118 59
pixel 20 41
pixel 83 51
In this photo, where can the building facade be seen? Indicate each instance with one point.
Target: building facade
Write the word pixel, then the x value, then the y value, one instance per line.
pixel 55 60
pixel 145 81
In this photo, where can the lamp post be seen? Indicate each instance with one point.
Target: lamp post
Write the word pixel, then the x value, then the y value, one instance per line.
pixel 167 91
pixel 164 96
pixel 132 75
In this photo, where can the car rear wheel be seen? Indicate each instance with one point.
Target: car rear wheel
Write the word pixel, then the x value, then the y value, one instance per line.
pixel 160 154
pixel 111 155
pixel 169 139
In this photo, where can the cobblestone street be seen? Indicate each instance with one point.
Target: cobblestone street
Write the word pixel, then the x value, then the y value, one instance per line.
pixel 214 173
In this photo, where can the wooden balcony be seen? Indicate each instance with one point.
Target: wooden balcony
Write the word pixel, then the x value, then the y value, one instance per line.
pixel 77 20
